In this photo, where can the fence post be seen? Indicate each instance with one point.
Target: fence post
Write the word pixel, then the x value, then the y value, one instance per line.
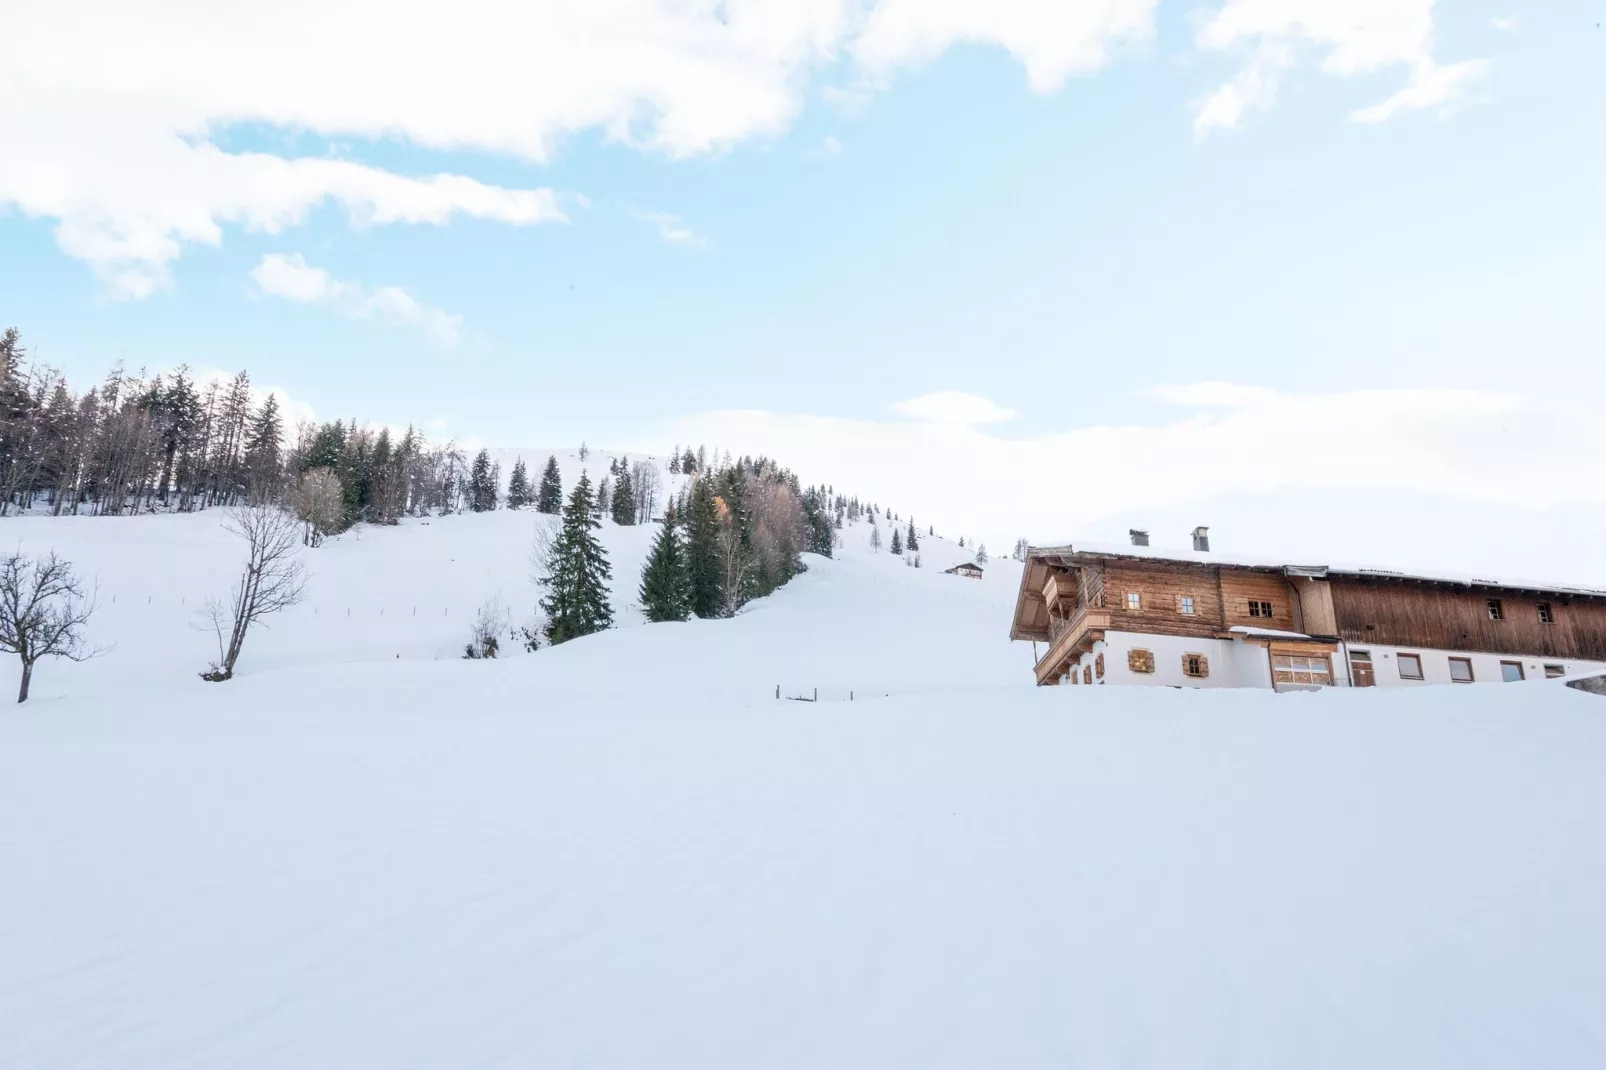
pixel 777 691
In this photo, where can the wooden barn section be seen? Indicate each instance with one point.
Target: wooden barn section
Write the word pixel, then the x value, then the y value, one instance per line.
pixel 1489 617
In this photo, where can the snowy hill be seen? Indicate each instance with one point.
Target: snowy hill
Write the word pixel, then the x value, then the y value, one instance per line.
pixel 409 592
pixel 625 852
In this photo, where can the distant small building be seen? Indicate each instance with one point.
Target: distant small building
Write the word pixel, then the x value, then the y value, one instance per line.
pixel 966 568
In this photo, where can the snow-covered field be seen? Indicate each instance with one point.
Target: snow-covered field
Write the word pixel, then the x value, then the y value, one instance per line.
pixel 625 852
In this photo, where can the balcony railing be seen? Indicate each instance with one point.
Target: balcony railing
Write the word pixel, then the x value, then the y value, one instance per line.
pixel 1070 637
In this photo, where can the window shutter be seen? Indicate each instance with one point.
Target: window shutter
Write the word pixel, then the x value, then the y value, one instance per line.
pixel 1140 660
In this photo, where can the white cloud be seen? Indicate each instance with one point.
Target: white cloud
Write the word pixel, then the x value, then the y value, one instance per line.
pixel 1352 36
pixel 112 111
pixel 292 278
pixel 672 230
pixel 954 407
pixel 1431 86
pixel 1051 38
pixel 1504 23
pixel 1480 448
pixel 830 146
pixel 1254 86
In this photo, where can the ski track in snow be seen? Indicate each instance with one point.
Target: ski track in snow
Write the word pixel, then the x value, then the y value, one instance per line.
pixel 625 852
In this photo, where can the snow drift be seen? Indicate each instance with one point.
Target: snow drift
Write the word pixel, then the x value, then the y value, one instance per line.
pixel 625 852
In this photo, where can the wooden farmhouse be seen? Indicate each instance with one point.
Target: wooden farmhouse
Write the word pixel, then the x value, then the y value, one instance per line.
pixel 1131 615
pixel 965 568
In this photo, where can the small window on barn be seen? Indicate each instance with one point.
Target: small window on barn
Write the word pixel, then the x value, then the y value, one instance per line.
pixel 1259 609
pixel 1553 671
pixel 1134 600
pixel 1461 670
pixel 1410 666
pixel 1196 666
pixel 1496 610
pixel 1187 604
pixel 1140 660
pixel 1546 614
pixel 1511 671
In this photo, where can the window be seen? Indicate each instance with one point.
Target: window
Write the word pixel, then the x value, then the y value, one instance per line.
pixel 1302 669
pixel 1496 610
pixel 1140 660
pixel 1553 671
pixel 1410 666
pixel 1134 600
pixel 1461 670
pixel 1510 671
pixel 1098 666
pixel 1546 616
pixel 1259 609
pixel 1087 674
pixel 1196 666
pixel 1187 604
pixel 1076 677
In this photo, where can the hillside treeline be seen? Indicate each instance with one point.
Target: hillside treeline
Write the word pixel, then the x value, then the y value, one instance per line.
pixel 137 444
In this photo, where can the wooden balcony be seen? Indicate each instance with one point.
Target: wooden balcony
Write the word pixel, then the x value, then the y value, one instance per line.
pixel 1059 593
pixel 1070 638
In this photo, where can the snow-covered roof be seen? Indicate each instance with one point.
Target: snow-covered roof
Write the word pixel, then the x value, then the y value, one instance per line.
pixel 1198 557
pixel 1266 633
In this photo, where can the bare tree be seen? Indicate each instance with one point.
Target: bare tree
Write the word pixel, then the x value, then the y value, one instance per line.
pixel 489 624
pixel 318 503
pixel 43 610
pixel 646 484
pixel 274 579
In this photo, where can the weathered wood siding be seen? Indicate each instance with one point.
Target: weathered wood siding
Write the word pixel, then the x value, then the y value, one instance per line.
pixel 1406 615
pixel 1221 597
pixel 1241 586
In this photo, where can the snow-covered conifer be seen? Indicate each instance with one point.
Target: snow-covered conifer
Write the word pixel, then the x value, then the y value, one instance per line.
pixel 666 578
pixel 518 486
pixel 550 497
pixel 577 583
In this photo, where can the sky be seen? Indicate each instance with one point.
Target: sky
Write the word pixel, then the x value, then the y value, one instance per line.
pixel 1325 274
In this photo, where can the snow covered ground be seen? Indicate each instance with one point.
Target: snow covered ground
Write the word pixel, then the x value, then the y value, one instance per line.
pixel 625 852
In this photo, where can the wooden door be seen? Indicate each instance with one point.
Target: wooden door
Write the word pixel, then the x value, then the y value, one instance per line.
pixel 1360 667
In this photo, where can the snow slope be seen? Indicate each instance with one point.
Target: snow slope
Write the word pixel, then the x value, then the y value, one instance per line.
pixel 410 592
pixel 625 852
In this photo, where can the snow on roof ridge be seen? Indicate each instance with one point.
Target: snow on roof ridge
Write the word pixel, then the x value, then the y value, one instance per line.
pixel 1162 553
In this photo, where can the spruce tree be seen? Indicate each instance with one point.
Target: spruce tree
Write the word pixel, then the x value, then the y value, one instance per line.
pixel 577 583
pixel 666 579
pixel 702 549
pixel 913 540
pixel 518 486
pixel 897 541
pixel 262 439
pixel 481 491
pixel 604 499
pixel 550 497
pixel 624 498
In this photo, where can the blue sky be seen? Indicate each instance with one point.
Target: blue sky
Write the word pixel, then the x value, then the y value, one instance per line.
pixel 1064 250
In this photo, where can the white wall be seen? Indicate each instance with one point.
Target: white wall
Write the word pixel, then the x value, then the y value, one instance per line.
pixel 1234 663
pixel 1436 665
pixel 1226 667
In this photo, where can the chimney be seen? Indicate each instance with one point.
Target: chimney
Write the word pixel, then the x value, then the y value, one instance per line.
pixel 1201 540
pixel 1139 538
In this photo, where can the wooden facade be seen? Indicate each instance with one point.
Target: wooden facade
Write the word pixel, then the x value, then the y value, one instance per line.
pixel 1403 613
pixel 1069 598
